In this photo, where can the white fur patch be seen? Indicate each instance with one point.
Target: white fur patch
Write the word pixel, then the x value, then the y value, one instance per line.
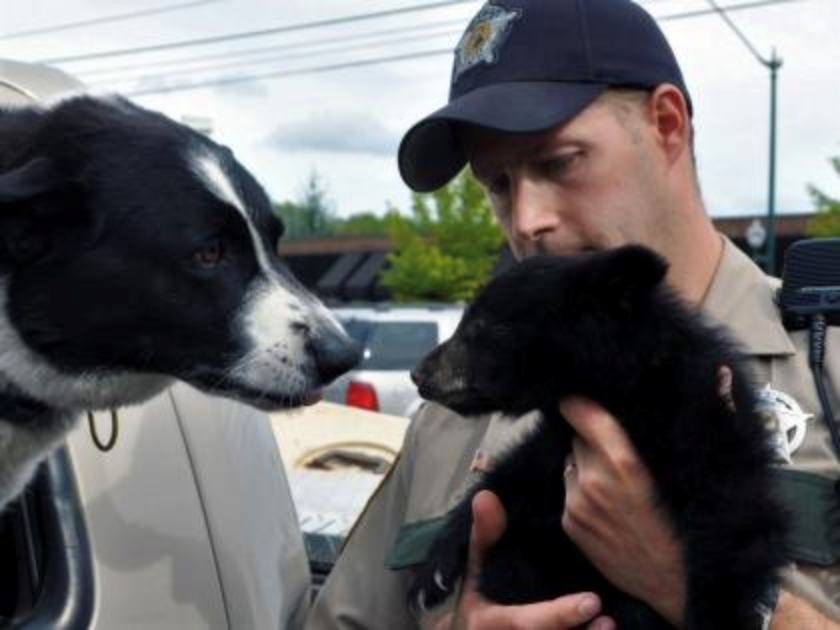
pixel 207 166
pixel 24 447
pixel 278 359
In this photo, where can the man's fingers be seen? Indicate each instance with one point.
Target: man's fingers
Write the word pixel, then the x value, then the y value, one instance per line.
pixel 445 623
pixel 569 611
pixel 594 425
pixel 489 523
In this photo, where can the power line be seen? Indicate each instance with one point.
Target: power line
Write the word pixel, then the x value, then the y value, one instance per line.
pixel 753 4
pixel 731 8
pixel 283 57
pixel 257 52
pixel 738 33
pixel 288 73
pixel 259 33
pixel 110 19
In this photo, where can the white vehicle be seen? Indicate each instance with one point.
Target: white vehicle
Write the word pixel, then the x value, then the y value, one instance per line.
pixel 394 339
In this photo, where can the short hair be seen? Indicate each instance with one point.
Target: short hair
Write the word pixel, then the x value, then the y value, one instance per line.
pixel 626 102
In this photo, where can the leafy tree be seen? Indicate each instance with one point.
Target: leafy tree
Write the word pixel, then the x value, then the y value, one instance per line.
pixel 447 249
pixel 361 224
pixel 827 219
pixel 294 218
pixel 316 205
pixel 312 215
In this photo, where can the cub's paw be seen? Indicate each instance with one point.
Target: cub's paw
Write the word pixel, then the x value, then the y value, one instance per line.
pixel 438 576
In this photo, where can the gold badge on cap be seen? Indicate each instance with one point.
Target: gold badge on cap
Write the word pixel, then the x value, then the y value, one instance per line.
pixel 483 38
pixel 785 419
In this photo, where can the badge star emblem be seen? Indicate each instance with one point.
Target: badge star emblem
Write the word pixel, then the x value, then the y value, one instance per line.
pixel 483 38
pixel 786 421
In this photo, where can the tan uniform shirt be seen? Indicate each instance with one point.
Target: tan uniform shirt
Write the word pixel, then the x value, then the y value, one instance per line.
pixel 440 448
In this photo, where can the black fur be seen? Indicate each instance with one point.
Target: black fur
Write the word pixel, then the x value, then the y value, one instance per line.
pixel 604 326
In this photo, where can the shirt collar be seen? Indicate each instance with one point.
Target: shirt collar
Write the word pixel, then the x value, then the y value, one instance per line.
pixel 743 298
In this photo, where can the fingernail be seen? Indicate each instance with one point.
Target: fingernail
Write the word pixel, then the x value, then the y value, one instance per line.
pixel 589 606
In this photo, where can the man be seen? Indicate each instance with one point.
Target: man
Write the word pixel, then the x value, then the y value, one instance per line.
pixel 575 117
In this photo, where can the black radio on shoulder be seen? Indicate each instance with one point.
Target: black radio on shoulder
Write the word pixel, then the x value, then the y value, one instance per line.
pixel 811 283
pixel 810 299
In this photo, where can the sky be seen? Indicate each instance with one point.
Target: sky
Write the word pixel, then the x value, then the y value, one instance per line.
pixel 322 108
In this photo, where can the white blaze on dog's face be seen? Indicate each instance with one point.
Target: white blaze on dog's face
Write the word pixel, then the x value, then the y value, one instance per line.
pixel 279 318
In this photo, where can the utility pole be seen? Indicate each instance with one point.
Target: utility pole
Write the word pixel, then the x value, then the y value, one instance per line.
pixel 772 64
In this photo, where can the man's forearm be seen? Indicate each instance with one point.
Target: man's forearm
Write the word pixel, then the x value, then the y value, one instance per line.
pixel 793 613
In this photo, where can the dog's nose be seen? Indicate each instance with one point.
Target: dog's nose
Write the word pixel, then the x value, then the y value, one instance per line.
pixel 334 355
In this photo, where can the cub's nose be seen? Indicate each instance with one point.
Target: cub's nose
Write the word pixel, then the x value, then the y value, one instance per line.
pixel 335 353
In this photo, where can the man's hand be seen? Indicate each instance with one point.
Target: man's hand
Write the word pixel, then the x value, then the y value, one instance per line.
pixel 612 513
pixel 793 613
pixel 475 613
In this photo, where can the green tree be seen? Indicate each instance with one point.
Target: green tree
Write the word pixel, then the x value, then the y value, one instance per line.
pixel 312 214
pixel 361 224
pixel 314 201
pixel 827 219
pixel 294 217
pixel 446 250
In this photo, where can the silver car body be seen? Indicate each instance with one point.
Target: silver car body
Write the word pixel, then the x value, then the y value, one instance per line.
pixel 190 518
pixel 399 336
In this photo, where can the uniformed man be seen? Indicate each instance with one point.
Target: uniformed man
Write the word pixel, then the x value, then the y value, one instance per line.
pixel 574 116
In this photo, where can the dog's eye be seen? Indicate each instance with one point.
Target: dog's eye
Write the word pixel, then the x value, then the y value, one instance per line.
pixel 210 255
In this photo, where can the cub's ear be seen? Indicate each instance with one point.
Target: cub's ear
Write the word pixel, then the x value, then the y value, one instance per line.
pixel 35 177
pixel 629 273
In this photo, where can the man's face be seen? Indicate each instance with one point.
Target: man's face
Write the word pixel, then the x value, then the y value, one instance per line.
pixel 597 182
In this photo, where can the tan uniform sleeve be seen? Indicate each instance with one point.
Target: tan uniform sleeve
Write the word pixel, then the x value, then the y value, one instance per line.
pixel 361 592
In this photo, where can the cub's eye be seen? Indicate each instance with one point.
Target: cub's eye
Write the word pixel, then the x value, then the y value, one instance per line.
pixel 475 329
pixel 499 330
pixel 210 255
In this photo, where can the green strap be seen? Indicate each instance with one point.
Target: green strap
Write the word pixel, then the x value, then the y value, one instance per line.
pixel 812 501
pixel 814 506
pixel 413 543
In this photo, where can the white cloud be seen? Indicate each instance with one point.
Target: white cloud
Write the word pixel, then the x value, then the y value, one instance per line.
pixel 336 132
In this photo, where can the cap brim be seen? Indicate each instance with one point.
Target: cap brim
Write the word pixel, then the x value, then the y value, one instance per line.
pixel 431 154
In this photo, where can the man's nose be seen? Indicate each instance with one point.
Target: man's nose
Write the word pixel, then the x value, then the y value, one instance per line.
pixel 533 213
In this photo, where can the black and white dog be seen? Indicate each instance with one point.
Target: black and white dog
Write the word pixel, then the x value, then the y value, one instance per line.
pixel 134 251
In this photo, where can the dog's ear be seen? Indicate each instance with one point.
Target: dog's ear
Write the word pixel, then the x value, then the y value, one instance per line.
pixel 33 178
pixel 38 210
pixel 628 274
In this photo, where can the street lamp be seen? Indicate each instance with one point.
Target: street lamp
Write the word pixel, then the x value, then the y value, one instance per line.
pixel 773 64
pixel 756 236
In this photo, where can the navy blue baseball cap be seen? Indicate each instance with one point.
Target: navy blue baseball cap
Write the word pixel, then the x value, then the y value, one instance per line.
pixel 531 65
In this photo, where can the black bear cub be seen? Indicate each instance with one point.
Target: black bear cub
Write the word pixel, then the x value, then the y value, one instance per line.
pixel 606 327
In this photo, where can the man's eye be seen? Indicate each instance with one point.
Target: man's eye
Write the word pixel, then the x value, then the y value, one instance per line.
pixel 559 165
pixel 210 255
pixel 498 186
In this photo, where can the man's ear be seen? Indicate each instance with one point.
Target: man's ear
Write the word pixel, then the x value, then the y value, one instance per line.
pixel 30 179
pixel 671 116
